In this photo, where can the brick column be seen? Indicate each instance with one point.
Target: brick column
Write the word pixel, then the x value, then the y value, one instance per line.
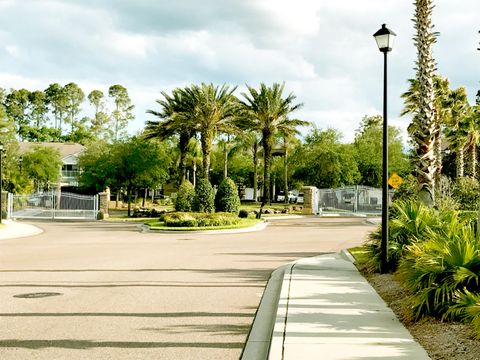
pixel 103 200
pixel 308 200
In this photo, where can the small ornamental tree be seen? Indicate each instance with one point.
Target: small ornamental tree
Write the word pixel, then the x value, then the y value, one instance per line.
pixel 185 195
pixel 226 199
pixel 204 196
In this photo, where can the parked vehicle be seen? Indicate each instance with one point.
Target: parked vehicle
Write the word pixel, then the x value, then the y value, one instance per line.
pixel 281 197
pixel 299 199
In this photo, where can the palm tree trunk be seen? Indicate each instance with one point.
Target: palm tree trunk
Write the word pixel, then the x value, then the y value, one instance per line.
pixel 267 150
pixel 460 163
pixel 255 171
pixel 285 159
pixel 183 145
pixel 207 138
pixel 225 161
pixel 473 154
pixel 425 121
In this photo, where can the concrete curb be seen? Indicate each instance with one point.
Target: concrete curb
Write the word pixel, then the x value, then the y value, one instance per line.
pixel 258 227
pixel 347 256
pixel 258 343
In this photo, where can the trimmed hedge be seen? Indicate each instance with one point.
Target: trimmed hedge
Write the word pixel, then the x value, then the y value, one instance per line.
pixel 204 200
pixel 185 195
pixel 226 199
pixel 243 214
pixel 182 219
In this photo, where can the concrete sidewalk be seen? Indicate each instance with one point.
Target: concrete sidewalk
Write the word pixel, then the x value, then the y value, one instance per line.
pixel 327 310
pixel 13 229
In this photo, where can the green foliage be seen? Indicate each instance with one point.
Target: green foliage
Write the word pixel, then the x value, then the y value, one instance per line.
pixel 467 193
pixel 42 165
pixel 182 219
pixel 466 307
pixel 409 222
pixel 325 162
pixel 204 200
pixel 185 195
pixel 243 214
pixel 368 151
pixel 437 270
pixel 226 199
pixel 408 190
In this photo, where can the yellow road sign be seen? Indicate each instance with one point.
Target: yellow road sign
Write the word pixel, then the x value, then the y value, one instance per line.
pixel 395 181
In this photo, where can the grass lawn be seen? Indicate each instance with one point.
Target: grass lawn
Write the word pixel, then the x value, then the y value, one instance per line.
pixel 159 225
pixel 360 254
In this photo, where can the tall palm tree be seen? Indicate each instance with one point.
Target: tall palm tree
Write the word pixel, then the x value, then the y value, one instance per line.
pixel 411 99
pixel 470 129
pixel 425 128
pixel 176 117
pixel 194 158
pixel 267 112
pixel 251 142
pixel 215 111
pixel 458 107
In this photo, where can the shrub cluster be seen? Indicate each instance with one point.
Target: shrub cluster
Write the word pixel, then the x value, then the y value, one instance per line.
pixel 204 199
pixel 436 255
pixel 185 195
pixel 182 219
pixel 227 199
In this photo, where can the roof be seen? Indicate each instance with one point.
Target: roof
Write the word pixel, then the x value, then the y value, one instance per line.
pixel 64 148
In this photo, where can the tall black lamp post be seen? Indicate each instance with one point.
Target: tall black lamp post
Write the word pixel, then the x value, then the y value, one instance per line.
pixel 385 38
pixel 1 183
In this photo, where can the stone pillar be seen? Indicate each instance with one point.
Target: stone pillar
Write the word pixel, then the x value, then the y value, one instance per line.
pixel 4 210
pixel 103 201
pixel 308 200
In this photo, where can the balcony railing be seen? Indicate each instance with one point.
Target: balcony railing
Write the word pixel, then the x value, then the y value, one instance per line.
pixel 70 173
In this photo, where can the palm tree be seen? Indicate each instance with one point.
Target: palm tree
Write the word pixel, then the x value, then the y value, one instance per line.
pixel 266 111
pixel 425 128
pixel 215 109
pixel 470 129
pixel 251 142
pixel 177 117
pixel 411 100
pixel 458 108
pixel 194 158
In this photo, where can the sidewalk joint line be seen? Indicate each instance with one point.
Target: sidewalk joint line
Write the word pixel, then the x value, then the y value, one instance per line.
pixel 286 311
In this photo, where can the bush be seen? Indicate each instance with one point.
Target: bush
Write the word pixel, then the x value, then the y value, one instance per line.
pixel 181 219
pixel 408 191
pixel 467 193
pixel 204 197
pixel 440 269
pixel 409 222
pixel 243 214
pixel 185 195
pixel 226 199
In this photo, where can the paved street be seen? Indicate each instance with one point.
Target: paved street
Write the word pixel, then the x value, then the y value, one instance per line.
pixel 124 294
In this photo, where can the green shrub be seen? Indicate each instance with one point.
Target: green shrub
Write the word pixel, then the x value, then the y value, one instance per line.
pixel 466 308
pixel 409 222
pixel 408 191
pixel 204 197
pixel 226 199
pixel 467 193
pixel 185 195
pixel 180 219
pixel 436 271
pixel 243 214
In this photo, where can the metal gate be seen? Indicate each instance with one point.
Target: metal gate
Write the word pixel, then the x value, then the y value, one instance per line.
pixel 53 205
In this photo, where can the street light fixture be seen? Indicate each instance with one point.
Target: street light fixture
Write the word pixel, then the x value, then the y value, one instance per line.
pixel 1 183
pixel 385 38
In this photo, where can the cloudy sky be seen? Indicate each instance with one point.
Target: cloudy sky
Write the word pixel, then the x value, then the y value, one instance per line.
pixel 323 50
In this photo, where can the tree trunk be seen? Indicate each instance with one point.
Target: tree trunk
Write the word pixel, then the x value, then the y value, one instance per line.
pixel 225 161
pixel 116 200
pixel 460 163
pixel 267 151
pixel 183 145
pixel 194 173
pixel 255 171
pixel 206 149
pixel 128 200
pixel 473 154
pixel 144 197
pixel 285 160
pixel 425 121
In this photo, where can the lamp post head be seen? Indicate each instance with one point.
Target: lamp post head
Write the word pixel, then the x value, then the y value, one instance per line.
pixel 385 38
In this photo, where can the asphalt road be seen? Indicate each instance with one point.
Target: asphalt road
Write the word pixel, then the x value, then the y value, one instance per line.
pixel 124 294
